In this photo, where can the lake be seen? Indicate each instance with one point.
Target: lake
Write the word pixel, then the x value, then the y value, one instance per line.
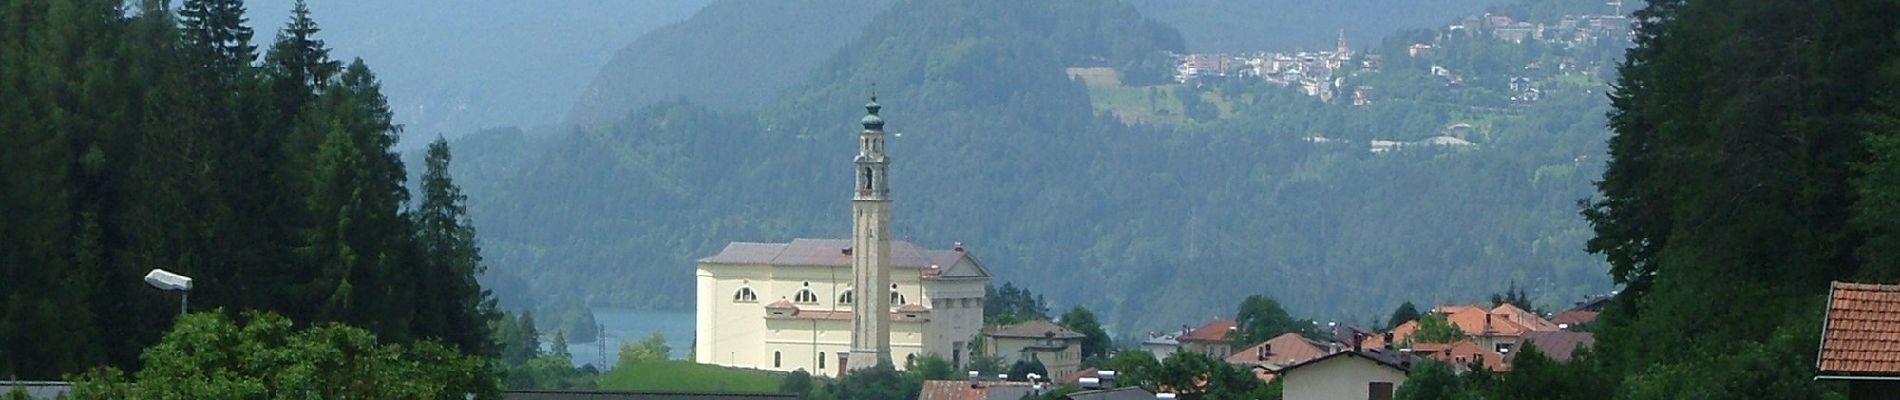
pixel 629 325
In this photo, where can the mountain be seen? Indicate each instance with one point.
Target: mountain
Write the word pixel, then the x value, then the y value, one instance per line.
pixel 1286 25
pixel 732 55
pixel 996 145
pixel 451 68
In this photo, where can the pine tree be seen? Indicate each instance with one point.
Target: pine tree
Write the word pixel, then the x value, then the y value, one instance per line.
pixel 451 302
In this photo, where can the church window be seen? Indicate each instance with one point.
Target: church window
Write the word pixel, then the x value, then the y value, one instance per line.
pixel 805 296
pixel 896 298
pixel 847 297
pixel 867 179
pixel 776 358
pixel 745 295
pixel 821 360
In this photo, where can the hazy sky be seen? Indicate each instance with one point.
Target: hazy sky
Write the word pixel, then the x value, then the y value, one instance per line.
pixel 452 67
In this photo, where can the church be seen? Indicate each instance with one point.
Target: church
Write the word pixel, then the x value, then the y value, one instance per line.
pixel 829 306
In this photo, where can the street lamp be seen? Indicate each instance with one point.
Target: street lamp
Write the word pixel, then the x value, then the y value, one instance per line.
pixel 168 281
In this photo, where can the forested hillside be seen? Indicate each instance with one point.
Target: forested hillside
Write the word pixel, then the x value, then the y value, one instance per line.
pixel 1286 25
pixel 139 137
pixel 1002 150
pixel 731 55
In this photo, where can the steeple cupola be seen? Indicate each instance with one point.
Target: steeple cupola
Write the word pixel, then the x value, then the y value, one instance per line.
pixel 872 164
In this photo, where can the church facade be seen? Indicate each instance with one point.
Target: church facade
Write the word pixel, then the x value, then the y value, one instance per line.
pixel 798 305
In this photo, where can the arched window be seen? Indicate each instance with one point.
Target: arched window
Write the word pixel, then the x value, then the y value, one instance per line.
pixel 847 297
pixel 776 358
pixel 805 295
pixel 745 295
pixel 897 299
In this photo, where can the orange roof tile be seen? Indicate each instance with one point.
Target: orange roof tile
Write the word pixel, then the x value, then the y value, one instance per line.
pixel 1399 335
pixel 1862 331
pixel 1462 353
pixel 1213 331
pixel 1529 320
pixel 1473 322
pixel 1574 317
pixel 1287 349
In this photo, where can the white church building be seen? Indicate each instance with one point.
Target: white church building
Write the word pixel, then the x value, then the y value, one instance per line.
pixel 797 305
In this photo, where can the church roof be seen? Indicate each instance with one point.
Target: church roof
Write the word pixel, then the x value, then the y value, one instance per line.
pixel 828 253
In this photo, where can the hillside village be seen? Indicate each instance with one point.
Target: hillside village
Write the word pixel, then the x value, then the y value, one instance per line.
pixel 1330 360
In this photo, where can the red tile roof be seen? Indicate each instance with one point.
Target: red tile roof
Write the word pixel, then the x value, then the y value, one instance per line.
pixel 1574 317
pixel 1213 331
pixel 1037 329
pixel 1558 345
pixel 1862 331
pixel 1529 320
pixel 1287 349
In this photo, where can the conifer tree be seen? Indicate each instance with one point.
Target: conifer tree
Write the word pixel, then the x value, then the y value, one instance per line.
pixel 453 305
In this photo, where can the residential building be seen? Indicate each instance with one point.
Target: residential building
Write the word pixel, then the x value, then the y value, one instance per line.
pixel 1266 359
pixel 1126 393
pixel 1058 349
pixel 976 389
pixel 1353 374
pixel 1558 345
pixel 1860 339
pixel 1163 345
pixel 1210 339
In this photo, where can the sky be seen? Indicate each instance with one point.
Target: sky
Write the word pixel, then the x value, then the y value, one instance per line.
pixel 454 67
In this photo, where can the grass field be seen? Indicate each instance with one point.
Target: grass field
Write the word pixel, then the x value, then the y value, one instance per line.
pixel 686 376
pixel 1142 104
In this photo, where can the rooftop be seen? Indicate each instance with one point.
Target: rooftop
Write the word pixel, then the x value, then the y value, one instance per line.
pixel 1033 330
pixel 1213 331
pixel 1861 335
pixel 828 253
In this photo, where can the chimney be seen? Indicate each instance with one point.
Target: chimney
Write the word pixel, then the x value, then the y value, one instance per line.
pixel 959 247
pixel 1356 339
pixel 975 380
pixel 1388 340
pixel 1107 378
pixel 1265 350
pixel 1487 323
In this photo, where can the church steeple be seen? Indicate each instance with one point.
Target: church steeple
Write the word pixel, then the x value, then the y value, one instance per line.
pixel 871 161
pixel 871 247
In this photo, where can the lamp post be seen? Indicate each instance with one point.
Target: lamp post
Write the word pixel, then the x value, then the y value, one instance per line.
pixel 168 281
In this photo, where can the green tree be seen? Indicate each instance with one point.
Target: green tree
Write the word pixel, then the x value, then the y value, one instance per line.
pixel 1405 312
pixel 1514 296
pixel 450 304
pixel 651 349
pixel 1134 368
pixel 797 382
pixel 207 355
pixel 1010 305
pixel 1431 380
pixel 1095 341
pixel 1436 328
pixel 1261 318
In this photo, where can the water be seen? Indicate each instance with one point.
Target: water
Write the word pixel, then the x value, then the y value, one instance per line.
pixel 629 325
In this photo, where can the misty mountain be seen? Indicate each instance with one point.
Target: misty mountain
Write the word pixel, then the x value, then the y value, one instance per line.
pixel 731 55
pixel 1286 25
pixel 451 68
pixel 997 147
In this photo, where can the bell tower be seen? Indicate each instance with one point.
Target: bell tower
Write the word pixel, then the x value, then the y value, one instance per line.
pixel 871 246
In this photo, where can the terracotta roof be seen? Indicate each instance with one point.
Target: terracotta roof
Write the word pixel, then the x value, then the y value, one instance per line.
pixel 1574 317
pixel 827 253
pixel 1037 329
pixel 1287 349
pixel 1529 320
pixel 967 390
pixel 1213 331
pixel 1472 321
pixel 1077 376
pixel 1861 335
pixel 1126 393
pixel 1399 334
pixel 1387 359
pixel 1461 353
pixel 1559 345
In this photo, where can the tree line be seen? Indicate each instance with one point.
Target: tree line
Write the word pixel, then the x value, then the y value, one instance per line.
pixel 138 136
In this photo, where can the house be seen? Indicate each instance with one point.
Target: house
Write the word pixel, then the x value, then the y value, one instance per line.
pixel 1558 345
pixel 976 389
pixel 1163 345
pixel 1058 349
pixel 1126 393
pixel 1463 355
pixel 1268 358
pixel 1568 319
pixel 1210 339
pixel 1354 374
pixel 1860 339
pixel 38 389
pixel 583 394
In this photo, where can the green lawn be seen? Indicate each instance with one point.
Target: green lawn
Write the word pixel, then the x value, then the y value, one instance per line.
pixel 1146 104
pixel 686 376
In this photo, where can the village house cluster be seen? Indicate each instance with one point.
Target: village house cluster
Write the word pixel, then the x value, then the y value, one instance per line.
pixel 1323 74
